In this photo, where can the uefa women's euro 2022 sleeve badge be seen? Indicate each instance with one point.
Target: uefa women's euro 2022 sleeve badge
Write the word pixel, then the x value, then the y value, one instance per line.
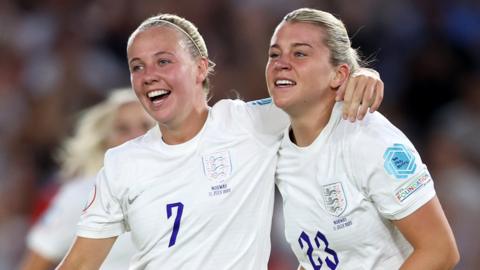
pixel 399 161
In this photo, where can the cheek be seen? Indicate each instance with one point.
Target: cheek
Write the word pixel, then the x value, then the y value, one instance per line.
pixel 319 75
pixel 268 72
pixel 269 66
pixel 135 82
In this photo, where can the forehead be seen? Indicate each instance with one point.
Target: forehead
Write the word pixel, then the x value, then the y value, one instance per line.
pixel 297 32
pixel 157 38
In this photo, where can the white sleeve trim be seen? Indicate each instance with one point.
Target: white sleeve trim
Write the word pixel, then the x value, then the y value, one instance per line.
pixel 89 232
pixel 414 205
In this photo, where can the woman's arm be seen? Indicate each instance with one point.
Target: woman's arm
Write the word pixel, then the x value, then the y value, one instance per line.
pixel 429 233
pixel 87 254
pixel 35 261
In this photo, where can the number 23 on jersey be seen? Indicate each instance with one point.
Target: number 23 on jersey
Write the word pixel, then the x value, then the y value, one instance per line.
pixel 321 243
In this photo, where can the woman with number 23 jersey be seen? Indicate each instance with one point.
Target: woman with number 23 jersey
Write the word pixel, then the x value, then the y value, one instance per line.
pixel 355 195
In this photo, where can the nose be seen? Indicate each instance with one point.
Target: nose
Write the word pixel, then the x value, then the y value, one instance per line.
pixel 150 76
pixel 282 64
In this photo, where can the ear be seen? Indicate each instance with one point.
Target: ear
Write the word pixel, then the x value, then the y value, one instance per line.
pixel 202 67
pixel 342 73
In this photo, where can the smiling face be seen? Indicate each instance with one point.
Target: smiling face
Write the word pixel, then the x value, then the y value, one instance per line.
pixel 165 77
pixel 299 72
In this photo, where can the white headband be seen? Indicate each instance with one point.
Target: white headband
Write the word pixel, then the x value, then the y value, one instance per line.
pixel 184 32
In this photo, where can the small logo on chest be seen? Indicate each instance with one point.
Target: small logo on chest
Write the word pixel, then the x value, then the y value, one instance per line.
pixel 334 198
pixel 218 168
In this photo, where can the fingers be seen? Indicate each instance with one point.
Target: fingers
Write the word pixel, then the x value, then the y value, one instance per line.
pixel 357 97
pixel 364 90
pixel 378 96
pixel 366 99
pixel 341 92
pixel 349 91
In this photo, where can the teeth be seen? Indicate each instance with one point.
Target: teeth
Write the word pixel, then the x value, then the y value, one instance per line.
pixel 157 93
pixel 284 82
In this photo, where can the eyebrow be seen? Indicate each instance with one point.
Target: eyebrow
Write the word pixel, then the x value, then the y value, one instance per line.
pixel 155 54
pixel 296 44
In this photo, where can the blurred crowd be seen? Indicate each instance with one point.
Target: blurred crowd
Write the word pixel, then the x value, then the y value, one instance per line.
pixel 58 57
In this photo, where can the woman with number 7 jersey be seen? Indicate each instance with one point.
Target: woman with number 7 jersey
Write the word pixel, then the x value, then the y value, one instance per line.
pixel 355 195
pixel 196 191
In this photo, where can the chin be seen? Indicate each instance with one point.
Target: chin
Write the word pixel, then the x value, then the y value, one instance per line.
pixel 280 103
pixel 159 116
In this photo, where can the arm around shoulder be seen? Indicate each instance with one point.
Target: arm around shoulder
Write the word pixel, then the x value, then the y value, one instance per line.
pixel 429 233
pixel 87 254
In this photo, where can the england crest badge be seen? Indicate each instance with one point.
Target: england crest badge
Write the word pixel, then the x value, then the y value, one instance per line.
pixel 217 166
pixel 334 198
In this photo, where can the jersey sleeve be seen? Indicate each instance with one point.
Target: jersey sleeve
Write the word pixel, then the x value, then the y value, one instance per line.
pixel 266 117
pixel 102 216
pixel 53 234
pixel 389 169
pixel 260 117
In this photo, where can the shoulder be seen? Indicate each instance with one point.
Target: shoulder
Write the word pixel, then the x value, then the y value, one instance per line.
pixel 228 106
pixel 371 143
pixel 238 105
pixel 229 103
pixel 129 148
pixel 229 113
pixel 375 129
pixel 376 145
pixel 121 161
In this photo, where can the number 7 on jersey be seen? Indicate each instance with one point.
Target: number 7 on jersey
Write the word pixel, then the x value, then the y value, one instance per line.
pixel 176 224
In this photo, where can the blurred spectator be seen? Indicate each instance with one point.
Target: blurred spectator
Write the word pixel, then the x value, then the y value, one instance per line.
pixel 107 124
pixel 455 152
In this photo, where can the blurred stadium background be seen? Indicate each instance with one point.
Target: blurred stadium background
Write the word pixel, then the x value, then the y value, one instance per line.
pixel 59 56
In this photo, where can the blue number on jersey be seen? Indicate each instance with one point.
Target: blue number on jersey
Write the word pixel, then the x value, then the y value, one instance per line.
pixel 318 237
pixel 176 224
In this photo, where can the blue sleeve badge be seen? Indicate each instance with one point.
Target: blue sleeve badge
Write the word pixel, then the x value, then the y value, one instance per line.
pixel 399 161
pixel 264 101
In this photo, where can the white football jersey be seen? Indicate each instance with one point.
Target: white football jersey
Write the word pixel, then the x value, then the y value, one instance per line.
pixel 203 204
pixel 53 234
pixel 341 192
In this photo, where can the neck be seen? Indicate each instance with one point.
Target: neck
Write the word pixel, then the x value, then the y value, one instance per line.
pixel 307 126
pixel 187 128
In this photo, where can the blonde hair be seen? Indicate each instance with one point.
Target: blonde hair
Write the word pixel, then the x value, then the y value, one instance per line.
pixel 336 39
pixel 82 154
pixel 193 40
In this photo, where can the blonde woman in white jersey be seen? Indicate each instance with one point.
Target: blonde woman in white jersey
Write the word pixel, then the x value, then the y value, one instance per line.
pixel 355 195
pixel 197 190
pixel 109 123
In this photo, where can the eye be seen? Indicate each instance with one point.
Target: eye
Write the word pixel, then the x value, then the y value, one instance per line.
pixel 163 61
pixel 273 54
pixel 299 54
pixel 135 68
